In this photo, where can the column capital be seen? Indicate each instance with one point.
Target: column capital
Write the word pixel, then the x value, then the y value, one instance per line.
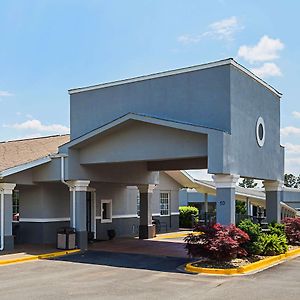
pixel 225 180
pixel 7 188
pixel 146 188
pixel 273 185
pixel 78 185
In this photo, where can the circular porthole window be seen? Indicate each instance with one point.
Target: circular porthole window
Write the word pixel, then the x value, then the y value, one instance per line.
pixel 260 131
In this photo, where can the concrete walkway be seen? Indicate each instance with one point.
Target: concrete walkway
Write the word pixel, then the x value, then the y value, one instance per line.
pixel 159 246
pixel 27 250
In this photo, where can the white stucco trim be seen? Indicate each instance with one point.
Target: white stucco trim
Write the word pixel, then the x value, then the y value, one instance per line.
pixel 273 186
pixel 43 220
pixel 109 202
pixel 174 213
pixel 219 63
pixel 142 118
pixel 25 166
pixel 225 181
pixel 7 188
pixel 260 122
pixel 79 185
pixel 124 216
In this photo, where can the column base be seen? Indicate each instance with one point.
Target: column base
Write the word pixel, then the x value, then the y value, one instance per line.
pixel 9 242
pixel 82 240
pixel 146 232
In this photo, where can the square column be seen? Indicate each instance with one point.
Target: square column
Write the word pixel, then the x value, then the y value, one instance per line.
pixel 6 216
pixel 146 228
pixel 273 197
pixel 225 198
pixel 78 189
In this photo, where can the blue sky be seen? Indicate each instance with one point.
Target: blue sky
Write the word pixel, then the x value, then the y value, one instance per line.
pixel 47 47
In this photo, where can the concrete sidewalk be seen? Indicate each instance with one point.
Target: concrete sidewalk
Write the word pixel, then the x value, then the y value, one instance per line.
pixel 28 252
pixel 159 246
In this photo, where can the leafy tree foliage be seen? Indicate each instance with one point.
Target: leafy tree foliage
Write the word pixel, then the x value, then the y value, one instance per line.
pixel 240 207
pixel 291 180
pixel 248 183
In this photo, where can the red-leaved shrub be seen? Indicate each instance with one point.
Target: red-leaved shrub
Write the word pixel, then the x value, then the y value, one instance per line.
pixel 217 242
pixel 292 230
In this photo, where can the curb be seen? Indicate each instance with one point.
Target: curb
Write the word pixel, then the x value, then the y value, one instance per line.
pixel 36 257
pixel 256 266
pixel 175 235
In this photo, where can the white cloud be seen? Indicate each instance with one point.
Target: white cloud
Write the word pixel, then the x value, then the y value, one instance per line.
pixel 292 165
pixel 290 130
pixel 292 148
pixel 296 114
pixel 267 49
pixel 5 94
pixel 37 125
pixel 221 30
pixel 267 70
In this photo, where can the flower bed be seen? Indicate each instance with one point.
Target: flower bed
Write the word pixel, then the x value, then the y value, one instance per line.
pixel 233 248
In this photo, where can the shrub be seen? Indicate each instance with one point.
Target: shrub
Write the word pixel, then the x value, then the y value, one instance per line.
pixel 272 244
pixel 254 232
pixel 187 216
pixel 276 228
pixel 292 230
pixel 217 242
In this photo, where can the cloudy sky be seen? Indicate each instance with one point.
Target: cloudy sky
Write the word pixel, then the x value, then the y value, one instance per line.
pixel 49 46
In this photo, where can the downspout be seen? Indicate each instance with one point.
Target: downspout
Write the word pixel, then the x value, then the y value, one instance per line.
pixel 62 179
pixel 2 220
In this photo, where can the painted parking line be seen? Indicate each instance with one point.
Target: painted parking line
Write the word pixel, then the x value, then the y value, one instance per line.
pixel 36 257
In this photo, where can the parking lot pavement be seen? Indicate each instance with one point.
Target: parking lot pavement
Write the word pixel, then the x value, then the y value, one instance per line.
pixel 110 277
pixel 125 260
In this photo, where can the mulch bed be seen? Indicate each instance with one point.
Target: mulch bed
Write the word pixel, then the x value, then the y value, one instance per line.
pixel 232 264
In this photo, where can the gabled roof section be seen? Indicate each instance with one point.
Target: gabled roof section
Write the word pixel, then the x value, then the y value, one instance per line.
pixel 143 118
pixel 25 152
pixel 228 61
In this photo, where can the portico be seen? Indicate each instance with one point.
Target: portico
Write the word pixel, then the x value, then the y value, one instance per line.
pixel 217 116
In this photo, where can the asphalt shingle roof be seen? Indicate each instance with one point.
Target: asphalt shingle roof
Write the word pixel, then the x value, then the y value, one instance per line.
pixel 18 152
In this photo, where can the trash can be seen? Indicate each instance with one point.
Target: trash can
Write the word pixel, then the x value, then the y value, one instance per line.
pixel 66 238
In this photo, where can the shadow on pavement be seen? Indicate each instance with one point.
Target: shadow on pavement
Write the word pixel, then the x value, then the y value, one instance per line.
pixel 125 260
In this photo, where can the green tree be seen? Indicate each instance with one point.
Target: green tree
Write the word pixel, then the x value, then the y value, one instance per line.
pixel 248 183
pixel 240 207
pixel 291 180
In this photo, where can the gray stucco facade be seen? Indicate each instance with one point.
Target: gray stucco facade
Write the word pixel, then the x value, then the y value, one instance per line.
pixel 126 133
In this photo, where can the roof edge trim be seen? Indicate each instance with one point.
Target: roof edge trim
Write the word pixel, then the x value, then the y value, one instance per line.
pixel 26 166
pixel 228 61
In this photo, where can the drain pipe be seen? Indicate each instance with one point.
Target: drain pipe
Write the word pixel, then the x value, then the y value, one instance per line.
pixel 2 220
pixel 62 179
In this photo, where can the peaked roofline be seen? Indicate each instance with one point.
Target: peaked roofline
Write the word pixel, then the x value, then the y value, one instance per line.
pixel 142 118
pixel 34 138
pixel 228 61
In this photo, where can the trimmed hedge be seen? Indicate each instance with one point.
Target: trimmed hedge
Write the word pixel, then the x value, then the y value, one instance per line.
pixel 188 215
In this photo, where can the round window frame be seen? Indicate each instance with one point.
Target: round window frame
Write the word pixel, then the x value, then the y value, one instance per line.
pixel 260 141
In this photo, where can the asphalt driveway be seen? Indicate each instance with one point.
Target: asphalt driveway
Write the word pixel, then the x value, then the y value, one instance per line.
pixel 115 276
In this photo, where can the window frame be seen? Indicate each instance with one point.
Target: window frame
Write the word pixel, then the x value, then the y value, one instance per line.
pixel 168 203
pixel 106 201
pixel 16 197
pixel 138 204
